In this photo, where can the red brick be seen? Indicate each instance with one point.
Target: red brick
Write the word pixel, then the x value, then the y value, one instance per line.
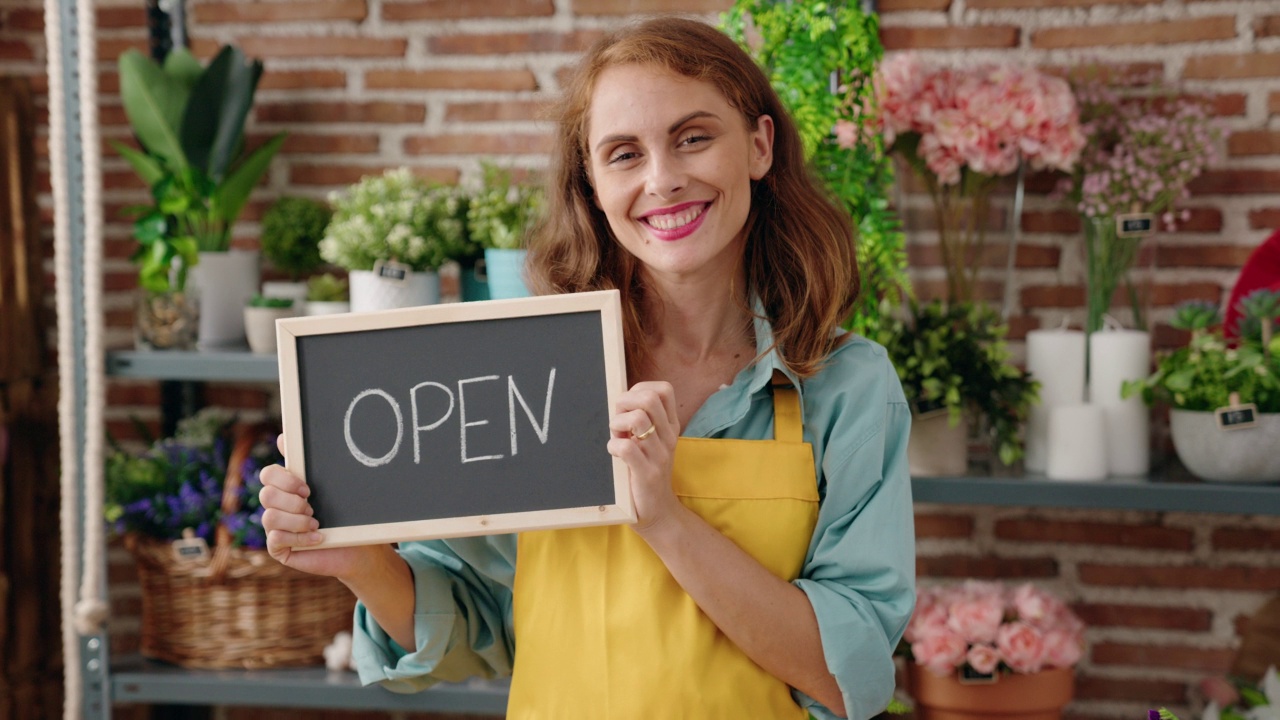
pixel 1198 256
pixel 1206 661
pixel 1063 222
pixel 1219 67
pixel 927 218
pixel 1199 220
pixel 452 9
pixel 1254 142
pixel 16 50
pixel 269 12
pixel 952 36
pixel 994 255
pixel 1229 104
pixel 326 47
pixel 1267 26
pixel 1265 219
pixel 1241 538
pixel 117 18
pixel 302 80
pixel 1236 182
pixel 325 175
pixel 133 393
pixel 1273 103
pixel 1020 325
pixel 986 567
pixel 1157 692
pixel 1094 533
pixel 508 43
pixel 238 397
pixel 109 50
pixel 635 7
pixel 1236 577
pixel 511 110
pixel 1040 296
pixel 312 143
pixel 1128 34
pixel 936 289
pixel 342 112
pixel 28 18
pixel 450 80
pixel 1003 4
pixel 937 525
pixel 887 6
pixel 471 143
pixel 1145 616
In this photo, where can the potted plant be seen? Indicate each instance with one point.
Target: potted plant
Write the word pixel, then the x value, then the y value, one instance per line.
pixel 980 651
pixel 327 295
pixel 1236 699
pixel 392 232
pixel 291 231
pixel 260 315
pixel 499 214
pixel 189 121
pixel 1205 380
pixel 953 361
pixel 188 510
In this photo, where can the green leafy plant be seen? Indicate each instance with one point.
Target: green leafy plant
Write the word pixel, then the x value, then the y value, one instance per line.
pixel 189 121
pixel 821 57
pixel 262 301
pixel 1205 373
pixel 291 232
pixel 327 288
pixel 501 210
pixel 396 216
pixel 955 357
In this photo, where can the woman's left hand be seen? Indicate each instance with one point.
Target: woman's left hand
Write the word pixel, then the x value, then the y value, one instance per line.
pixel 645 428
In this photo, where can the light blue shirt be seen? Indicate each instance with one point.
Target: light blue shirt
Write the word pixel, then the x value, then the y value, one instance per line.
pixel 859 572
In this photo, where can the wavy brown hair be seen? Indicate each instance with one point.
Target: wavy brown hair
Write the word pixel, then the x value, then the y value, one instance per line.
pixel 799 258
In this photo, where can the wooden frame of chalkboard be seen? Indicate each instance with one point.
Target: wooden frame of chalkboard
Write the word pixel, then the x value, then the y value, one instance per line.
pixel 369 372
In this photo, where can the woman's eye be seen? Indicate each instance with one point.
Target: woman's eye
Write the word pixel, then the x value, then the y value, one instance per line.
pixel 695 139
pixel 621 156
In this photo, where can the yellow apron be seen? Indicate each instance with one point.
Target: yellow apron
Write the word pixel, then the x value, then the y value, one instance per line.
pixel 603 630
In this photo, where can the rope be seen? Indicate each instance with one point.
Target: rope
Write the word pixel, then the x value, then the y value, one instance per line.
pixel 67 398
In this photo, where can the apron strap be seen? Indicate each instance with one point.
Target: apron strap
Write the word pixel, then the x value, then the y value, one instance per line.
pixel 788 426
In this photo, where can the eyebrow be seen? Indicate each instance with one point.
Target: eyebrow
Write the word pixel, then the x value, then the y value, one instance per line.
pixel 696 114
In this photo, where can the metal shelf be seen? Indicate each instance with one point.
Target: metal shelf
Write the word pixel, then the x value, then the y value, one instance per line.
pixel 136 680
pixel 230 364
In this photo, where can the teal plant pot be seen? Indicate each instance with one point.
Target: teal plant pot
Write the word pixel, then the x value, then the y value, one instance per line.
pixel 475 282
pixel 505 269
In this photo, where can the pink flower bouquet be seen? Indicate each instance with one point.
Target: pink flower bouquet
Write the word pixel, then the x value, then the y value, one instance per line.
pixel 982 628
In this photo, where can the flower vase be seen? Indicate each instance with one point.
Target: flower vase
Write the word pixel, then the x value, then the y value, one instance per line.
pixel 936 447
pixel 1108 260
pixel 1034 696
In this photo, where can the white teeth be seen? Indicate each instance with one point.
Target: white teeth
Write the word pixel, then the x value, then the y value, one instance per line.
pixel 675 220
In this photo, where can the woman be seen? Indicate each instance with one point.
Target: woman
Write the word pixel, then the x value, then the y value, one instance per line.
pixel 770 572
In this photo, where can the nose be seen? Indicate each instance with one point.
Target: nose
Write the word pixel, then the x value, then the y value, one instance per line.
pixel 666 176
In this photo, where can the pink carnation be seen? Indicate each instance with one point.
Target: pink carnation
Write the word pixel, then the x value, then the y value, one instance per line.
pixel 1021 646
pixel 940 653
pixel 977 619
pixel 983 658
pixel 1062 648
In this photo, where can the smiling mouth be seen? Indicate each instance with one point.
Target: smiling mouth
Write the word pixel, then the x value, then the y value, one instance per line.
pixel 676 220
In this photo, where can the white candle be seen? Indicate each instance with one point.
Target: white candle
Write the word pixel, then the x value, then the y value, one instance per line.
pixel 1077 443
pixel 1056 359
pixel 1114 357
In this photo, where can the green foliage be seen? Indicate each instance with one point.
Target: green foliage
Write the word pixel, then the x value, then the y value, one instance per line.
pixel 396 216
pixel 502 210
pixel 327 288
pixel 1204 374
pixel 820 57
pixel 190 123
pixel 262 301
pixel 291 232
pixel 955 357
pixel 1259 312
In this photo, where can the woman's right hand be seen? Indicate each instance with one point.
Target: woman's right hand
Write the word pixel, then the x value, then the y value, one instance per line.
pixel 288 521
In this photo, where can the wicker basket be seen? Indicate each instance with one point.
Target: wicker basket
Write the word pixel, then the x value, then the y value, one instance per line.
pixel 238 608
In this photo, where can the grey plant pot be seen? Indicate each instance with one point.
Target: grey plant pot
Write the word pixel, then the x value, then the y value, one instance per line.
pixel 1241 456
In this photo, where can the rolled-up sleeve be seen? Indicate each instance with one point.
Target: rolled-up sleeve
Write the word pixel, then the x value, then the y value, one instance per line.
pixel 462 608
pixel 860 577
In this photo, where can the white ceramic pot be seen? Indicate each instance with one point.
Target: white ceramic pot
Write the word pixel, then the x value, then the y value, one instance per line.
pixel 224 282
pixel 936 448
pixel 295 291
pixel 1210 453
pixel 370 292
pixel 260 327
pixel 316 307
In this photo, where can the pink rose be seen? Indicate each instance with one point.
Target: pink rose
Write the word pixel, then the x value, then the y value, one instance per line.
pixel 976 620
pixel 983 658
pixel 1062 648
pixel 940 653
pixel 1034 605
pixel 1021 646
pixel 930 619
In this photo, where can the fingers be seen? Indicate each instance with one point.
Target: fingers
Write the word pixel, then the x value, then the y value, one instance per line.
pixel 646 405
pixel 287 517
pixel 280 443
pixel 279 540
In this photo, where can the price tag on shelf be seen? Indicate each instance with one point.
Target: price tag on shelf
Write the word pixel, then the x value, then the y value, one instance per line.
pixel 396 272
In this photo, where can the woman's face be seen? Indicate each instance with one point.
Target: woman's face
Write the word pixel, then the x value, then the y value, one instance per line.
pixel 672 162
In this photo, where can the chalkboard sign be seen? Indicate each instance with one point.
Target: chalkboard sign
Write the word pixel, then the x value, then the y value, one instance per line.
pixel 1133 225
pixel 458 419
pixel 1237 417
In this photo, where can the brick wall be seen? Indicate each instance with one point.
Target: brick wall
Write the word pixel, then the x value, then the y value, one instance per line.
pixel 362 85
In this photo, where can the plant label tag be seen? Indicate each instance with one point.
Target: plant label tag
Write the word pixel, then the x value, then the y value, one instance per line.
pixel 1237 417
pixel 191 549
pixel 968 676
pixel 392 271
pixel 926 409
pixel 1135 225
